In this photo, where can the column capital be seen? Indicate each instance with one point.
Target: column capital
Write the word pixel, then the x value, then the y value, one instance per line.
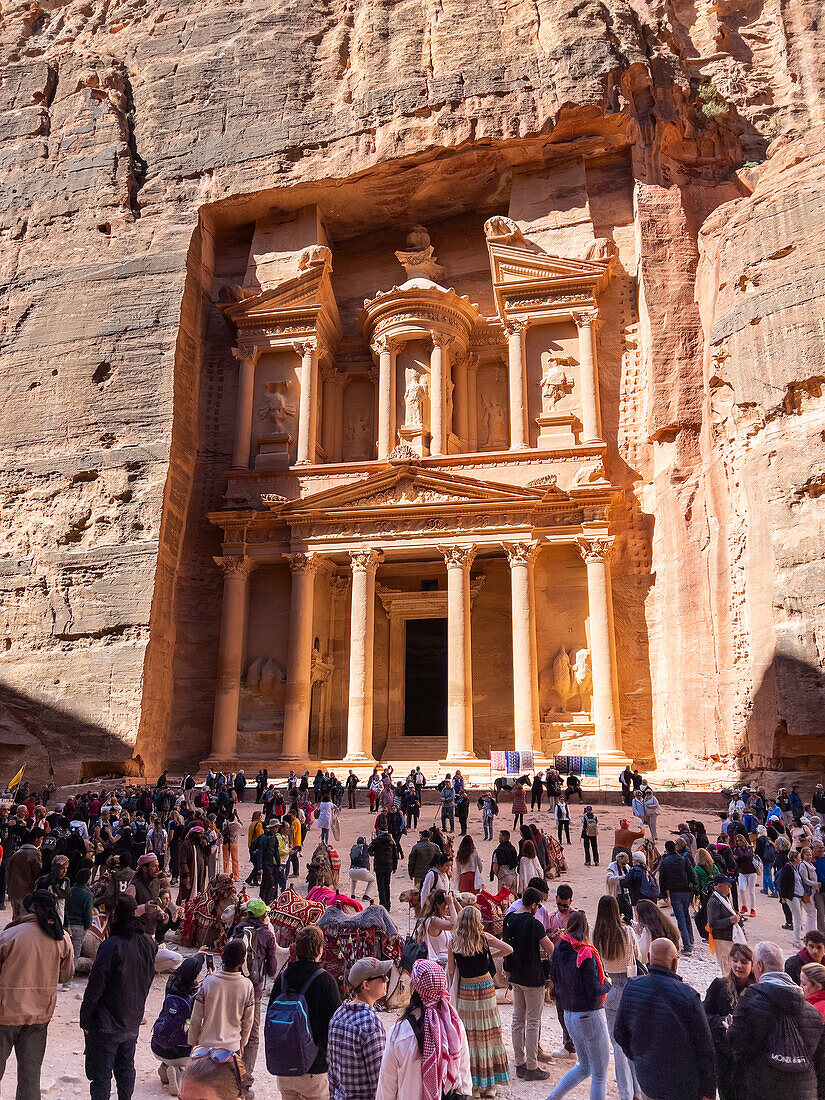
pixel 458 557
pixel 303 563
pixel 520 553
pixel 441 339
pixel 381 344
pixel 244 352
pixel 585 318
pixel 472 363
pixel 308 346
pixel 595 548
pixel 512 325
pixel 232 566
pixel 330 374
pixel 365 560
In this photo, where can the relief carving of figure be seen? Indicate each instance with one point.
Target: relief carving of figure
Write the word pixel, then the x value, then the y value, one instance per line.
pixel 356 435
pixel 555 382
pixel 572 680
pixel 276 409
pixel 263 674
pixel 414 396
pixel 492 422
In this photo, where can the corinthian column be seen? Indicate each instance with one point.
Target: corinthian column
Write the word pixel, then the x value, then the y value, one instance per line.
pixel 361 641
pixel 439 372
pixel 519 438
pixel 520 555
pixel 236 573
pixel 459 560
pixel 386 394
pixel 595 549
pixel 586 322
pixel 247 358
pixel 307 409
pixel 299 657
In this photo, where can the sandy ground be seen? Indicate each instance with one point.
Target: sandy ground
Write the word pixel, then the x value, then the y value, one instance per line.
pixel 63 1073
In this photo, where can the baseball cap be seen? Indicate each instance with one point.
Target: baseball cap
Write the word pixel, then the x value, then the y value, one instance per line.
pixel 720 880
pixel 256 907
pixel 367 968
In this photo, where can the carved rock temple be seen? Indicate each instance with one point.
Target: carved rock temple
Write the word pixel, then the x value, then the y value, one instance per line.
pixel 417 524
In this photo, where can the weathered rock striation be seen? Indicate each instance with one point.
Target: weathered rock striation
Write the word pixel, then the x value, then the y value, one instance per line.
pixel 140 146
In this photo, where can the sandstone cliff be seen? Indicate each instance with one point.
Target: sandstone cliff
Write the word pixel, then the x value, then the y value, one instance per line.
pixel 138 144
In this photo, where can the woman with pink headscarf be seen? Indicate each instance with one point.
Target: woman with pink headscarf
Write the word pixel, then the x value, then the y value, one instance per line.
pixel 427 1055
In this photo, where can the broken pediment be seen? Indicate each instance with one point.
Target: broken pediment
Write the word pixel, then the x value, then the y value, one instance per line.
pixel 409 486
pixel 526 282
pixel 300 306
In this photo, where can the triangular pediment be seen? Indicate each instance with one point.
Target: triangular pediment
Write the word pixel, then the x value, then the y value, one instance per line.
pixel 408 487
pixel 514 266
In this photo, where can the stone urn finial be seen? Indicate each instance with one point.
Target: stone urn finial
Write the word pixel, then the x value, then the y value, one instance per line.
pixel 419 260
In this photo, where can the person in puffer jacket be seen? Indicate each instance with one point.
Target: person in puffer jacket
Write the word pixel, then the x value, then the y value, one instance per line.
pixel 753 1035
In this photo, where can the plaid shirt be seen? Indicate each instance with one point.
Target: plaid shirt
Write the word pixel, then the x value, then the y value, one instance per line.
pixel 356 1045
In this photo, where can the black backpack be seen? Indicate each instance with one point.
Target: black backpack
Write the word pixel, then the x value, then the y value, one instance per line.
pixel 786 1050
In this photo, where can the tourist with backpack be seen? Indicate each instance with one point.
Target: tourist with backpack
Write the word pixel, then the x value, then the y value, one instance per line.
pixel 638 881
pixel 359 868
pixel 296 1032
pixel 590 835
pixel 224 1005
pixel 776 1039
pixel 170 1043
pixel 356 1034
pixel 261 963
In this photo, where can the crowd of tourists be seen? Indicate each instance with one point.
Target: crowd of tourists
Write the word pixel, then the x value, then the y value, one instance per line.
pixel 106 863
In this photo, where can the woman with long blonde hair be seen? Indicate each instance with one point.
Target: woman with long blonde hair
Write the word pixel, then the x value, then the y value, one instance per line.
pixel 470 959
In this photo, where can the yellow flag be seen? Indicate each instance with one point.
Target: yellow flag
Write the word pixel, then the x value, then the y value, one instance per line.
pixel 16 781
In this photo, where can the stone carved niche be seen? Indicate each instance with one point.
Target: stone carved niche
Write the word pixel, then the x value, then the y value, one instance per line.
pixel 414 397
pixel 556 382
pixel 276 409
pixel 359 417
pixel 263 694
pixel 568 682
pixel 493 415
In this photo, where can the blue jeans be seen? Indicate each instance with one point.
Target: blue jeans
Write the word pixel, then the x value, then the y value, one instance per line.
pixel 488 827
pixel 588 1030
pixel 681 910
pixel 767 878
pixel 325 836
pixel 625 1073
pixel 448 812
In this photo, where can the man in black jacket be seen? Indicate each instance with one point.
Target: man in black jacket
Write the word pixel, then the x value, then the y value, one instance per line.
pixel 114 1001
pixel 756 1041
pixel 676 878
pixel 384 852
pixel 662 1028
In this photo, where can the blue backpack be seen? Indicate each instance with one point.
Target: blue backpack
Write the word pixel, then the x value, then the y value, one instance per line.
pixel 169 1030
pixel 288 1043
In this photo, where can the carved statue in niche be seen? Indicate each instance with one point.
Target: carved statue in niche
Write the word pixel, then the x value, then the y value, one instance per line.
pixel 276 409
pixel 414 396
pixel 450 390
pixel 572 679
pixel 263 675
pixel 356 434
pixel 555 382
pixel 492 418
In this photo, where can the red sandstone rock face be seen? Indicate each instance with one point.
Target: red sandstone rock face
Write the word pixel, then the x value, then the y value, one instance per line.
pixel 139 142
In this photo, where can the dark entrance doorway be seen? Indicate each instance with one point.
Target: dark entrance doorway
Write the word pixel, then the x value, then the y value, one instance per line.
pixel 425 678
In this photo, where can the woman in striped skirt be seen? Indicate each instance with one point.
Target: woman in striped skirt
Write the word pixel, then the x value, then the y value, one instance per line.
pixel 470 969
